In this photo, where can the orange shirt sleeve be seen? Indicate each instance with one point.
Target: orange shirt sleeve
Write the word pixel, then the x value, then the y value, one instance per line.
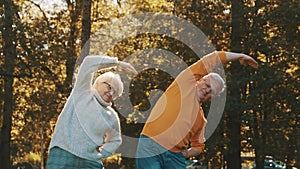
pixel 198 140
pixel 207 64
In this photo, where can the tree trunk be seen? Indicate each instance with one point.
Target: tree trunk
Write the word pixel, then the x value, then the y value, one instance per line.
pixel 258 142
pixel 42 148
pixel 86 26
pixel 10 56
pixel 75 8
pixel 235 92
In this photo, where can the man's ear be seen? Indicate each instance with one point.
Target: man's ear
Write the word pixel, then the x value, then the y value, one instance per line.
pixel 197 77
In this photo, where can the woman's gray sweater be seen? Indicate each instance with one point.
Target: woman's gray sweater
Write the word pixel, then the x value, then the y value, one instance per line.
pixel 87 121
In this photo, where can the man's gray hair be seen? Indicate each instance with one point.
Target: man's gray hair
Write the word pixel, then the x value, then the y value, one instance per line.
pixel 219 80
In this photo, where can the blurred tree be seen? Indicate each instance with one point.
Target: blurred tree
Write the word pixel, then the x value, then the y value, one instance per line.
pixel 49 40
pixel 8 74
pixel 259 36
pixel 41 85
pixel 275 83
pixel 75 11
pixel 86 25
pixel 236 87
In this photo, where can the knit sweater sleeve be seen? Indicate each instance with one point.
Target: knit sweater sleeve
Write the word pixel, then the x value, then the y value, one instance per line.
pixel 90 65
pixel 112 139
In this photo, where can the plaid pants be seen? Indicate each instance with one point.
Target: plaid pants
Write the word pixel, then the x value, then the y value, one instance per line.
pixel 61 159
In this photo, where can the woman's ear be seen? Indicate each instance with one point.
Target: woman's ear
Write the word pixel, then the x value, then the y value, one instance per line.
pixel 95 85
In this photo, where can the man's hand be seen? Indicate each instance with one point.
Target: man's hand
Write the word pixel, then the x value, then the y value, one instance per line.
pixel 191 152
pixel 244 59
pixel 247 60
pixel 185 153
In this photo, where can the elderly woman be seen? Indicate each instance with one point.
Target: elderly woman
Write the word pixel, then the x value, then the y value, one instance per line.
pixel 88 128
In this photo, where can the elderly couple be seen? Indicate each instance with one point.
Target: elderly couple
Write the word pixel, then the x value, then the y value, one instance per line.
pixel 88 128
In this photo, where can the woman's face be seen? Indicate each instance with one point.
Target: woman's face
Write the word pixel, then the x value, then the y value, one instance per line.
pixel 106 91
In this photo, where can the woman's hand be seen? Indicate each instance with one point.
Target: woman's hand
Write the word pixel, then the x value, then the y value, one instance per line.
pixel 99 149
pixel 127 66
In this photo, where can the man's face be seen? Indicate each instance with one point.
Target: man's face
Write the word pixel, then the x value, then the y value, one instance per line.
pixel 206 88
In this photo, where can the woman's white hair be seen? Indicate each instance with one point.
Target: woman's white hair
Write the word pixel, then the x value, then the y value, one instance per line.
pixel 113 79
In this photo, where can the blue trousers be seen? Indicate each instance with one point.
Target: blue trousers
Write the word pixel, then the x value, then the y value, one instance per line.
pixel 61 159
pixel 151 155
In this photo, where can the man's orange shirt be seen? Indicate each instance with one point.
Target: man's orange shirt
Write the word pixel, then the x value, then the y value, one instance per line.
pixel 177 119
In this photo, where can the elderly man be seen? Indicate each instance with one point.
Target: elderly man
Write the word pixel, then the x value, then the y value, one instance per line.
pixel 175 128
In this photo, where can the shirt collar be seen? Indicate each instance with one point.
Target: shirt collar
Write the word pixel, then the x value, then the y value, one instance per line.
pixel 100 100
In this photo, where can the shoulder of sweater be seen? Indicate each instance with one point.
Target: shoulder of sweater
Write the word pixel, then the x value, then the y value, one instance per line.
pixel 113 111
pixel 103 57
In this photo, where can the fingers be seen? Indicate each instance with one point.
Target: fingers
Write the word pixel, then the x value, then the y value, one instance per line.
pixel 127 66
pixel 248 61
pixel 132 69
pixel 185 153
pixel 99 149
pixel 253 64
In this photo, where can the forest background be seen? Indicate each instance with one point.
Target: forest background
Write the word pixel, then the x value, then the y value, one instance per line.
pixel 40 42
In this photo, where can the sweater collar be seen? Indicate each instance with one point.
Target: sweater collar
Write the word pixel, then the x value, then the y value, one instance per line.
pixel 100 100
